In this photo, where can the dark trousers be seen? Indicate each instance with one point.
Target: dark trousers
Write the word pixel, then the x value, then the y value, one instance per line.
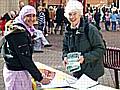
pixel 57 27
pixel 107 25
pixel 113 25
pixel 98 24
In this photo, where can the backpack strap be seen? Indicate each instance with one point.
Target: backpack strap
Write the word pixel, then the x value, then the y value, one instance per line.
pixel 86 30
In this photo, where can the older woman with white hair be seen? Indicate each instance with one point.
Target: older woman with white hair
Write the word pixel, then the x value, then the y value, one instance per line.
pixel 18 51
pixel 76 41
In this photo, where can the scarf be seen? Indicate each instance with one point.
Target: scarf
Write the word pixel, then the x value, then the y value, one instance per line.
pixel 26 10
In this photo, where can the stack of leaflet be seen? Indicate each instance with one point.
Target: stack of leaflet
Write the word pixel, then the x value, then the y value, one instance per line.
pixel 73 65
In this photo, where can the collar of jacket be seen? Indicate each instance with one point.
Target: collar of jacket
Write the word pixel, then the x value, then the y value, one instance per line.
pixel 79 29
pixel 11 28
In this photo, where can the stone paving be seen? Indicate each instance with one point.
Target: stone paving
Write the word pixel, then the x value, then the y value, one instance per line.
pixel 52 57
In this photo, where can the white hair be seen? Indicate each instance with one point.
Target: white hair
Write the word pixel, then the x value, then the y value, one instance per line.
pixel 72 6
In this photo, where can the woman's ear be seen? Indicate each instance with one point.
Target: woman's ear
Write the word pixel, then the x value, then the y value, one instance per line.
pixel 24 19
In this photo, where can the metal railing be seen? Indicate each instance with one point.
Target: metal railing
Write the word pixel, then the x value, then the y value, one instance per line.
pixel 112 61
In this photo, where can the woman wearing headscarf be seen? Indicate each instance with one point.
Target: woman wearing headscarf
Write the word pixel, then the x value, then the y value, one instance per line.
pixel 18 51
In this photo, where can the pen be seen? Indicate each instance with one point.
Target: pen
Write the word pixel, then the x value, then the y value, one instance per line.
pixel 67 87
pixel 93 85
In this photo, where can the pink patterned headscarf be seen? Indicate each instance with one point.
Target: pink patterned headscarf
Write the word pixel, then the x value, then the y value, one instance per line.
pixel 25 11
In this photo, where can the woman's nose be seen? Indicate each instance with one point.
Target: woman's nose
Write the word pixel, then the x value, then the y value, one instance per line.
pixel 33 18
pixel 71 16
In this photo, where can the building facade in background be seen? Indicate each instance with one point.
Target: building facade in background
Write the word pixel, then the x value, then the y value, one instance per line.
pixel 8 5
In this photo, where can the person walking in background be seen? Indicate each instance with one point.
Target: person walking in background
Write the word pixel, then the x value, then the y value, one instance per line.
pixel 41 19
pixel 52 18
pixel 47 20
pixel 21 4
pixel 39 41
pixel 18 49
pixel 59 19
pixel 89 16
pixel 6 18
pixel 75 40
pixel 107 21
pixel 118 18
pixel 9 16
pixel 113 18
pixel 97 16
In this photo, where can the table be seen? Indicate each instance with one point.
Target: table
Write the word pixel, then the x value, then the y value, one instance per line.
pixel 62 79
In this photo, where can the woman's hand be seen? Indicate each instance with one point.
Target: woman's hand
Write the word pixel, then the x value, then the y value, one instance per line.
pixel 45 81
pixel 47 76
pixel 81 59
pixel 65 61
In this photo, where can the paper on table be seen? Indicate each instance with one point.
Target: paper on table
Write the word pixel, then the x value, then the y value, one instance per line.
pixel 59 82
pixel 84 82
pixel 101 87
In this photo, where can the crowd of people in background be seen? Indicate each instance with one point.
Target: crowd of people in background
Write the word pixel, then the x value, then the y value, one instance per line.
pixel 56 21
pixel 110 17
pixel 51 20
